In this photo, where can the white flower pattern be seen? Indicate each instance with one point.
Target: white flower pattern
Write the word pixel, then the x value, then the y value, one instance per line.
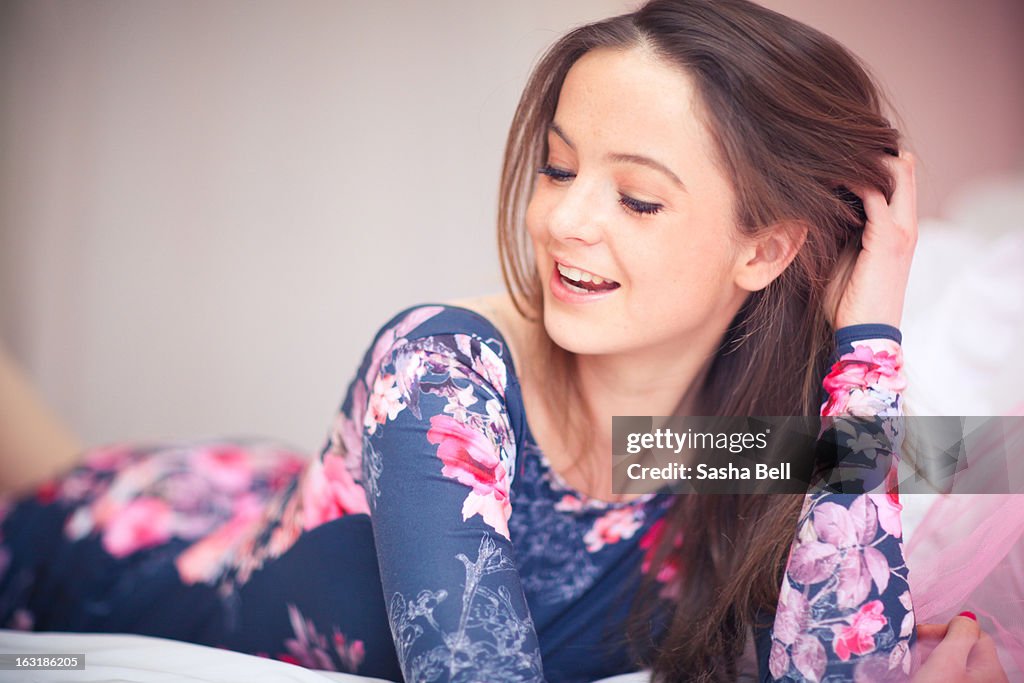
pixel 487 642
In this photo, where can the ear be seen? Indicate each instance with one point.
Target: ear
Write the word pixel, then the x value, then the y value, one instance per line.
pixel 763 257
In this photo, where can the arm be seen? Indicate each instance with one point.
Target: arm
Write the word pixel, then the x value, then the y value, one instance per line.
pixel 844 605
pixel 438 455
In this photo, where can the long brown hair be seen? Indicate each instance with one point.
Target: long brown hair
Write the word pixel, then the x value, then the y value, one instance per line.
pixel 795 119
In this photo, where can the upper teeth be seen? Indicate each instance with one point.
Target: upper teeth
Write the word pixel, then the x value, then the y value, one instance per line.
pixel 578 275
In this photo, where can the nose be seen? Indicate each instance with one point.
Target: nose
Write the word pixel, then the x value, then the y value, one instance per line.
pixel 577 214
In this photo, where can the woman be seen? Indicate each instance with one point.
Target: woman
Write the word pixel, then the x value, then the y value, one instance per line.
pixel 680 191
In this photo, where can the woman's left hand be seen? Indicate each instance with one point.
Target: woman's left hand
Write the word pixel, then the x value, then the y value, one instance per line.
pixel 878 283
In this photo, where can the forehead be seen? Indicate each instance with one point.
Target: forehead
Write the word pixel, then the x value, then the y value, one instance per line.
pixel 633 102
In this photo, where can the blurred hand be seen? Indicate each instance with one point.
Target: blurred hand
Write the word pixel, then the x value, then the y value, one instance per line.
pixel 957 652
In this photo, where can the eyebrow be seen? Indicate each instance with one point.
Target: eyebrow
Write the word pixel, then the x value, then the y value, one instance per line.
pixel 626 158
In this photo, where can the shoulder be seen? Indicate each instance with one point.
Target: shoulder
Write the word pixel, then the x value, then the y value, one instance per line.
pixel 427 319
pixel 463 332
pixel 452 368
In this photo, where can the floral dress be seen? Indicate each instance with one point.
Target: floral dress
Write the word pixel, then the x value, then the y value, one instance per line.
pixel 431 540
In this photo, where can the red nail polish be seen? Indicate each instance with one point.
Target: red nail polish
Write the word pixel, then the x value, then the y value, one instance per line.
pixel 969 615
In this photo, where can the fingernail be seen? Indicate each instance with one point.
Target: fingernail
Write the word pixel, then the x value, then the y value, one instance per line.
pixel 969 615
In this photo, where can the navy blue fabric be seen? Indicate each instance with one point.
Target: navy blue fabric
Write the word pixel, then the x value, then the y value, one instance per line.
pixel 419 564
pixel 846 336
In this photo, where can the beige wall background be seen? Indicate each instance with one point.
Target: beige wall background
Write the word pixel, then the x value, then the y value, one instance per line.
pixel 207 208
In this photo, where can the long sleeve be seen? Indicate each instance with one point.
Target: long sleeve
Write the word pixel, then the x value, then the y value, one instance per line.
pixel 438 459
pixel 844 606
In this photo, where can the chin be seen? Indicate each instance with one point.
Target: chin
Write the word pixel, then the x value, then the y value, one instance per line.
pixel 579 336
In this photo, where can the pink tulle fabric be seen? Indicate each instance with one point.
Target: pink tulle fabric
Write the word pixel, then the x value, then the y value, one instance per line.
pixel 968 552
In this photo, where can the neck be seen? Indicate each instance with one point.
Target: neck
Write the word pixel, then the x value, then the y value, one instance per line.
pixel 655 380
pixel 652 381
pixel 649 382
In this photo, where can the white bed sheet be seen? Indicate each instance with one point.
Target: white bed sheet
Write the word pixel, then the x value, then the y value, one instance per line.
pixel 112 658
pixel 115 658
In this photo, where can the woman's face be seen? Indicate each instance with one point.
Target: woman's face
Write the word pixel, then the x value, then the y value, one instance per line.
pixel 629 193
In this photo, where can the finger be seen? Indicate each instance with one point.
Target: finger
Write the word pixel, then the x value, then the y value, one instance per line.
pixel 983 663
pixel 898 214
pixel 903 203
pixel 932 631
pixel 876 209
pixel 928 636
pixel 903 214
pixel 922 661
pixel 954 649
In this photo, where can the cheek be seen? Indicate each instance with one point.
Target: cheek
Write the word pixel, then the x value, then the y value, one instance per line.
pixel 537 211
pixel 533 218
pixel 687 273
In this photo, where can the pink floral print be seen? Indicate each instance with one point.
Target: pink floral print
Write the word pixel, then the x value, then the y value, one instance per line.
pixel 202 493
pixel 206 559
pixel 613 526
pixel 865 381
pixel 141 523
pixel 424 452
pixel 330 491
pixel 313 650
pixel 472 459
pixel 857 636
pixel 671 567
pixel 385 402
pixel 845 581
pixel 328 487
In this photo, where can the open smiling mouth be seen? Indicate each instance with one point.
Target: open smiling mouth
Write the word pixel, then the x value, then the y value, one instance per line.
pixel 582 282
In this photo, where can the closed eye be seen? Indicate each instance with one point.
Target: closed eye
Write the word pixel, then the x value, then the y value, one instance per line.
pixel 639 207
pixel 634 206
pixel 556 174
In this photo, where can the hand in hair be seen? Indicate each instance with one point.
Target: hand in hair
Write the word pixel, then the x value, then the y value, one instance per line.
pixel 875 289
pixel 965 654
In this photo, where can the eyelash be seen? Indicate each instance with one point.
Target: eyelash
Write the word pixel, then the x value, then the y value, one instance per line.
pixel 634 206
